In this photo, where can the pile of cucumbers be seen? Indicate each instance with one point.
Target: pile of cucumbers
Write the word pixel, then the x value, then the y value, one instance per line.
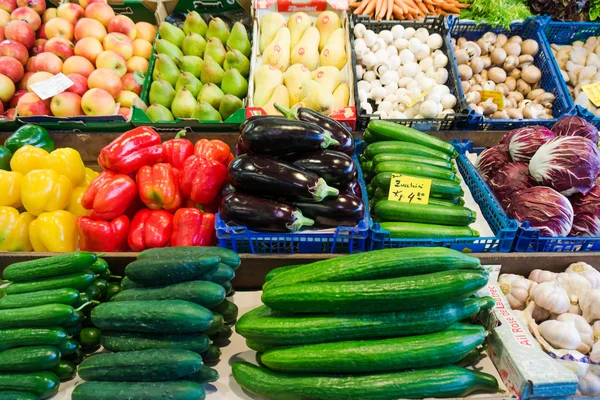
pixel 167 323
pixel 397 149
pixel 43 333
pixel 378 325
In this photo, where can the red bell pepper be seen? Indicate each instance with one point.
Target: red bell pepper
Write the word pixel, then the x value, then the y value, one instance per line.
pixel 109 195
pixel 178 150
pixel 103 235
pixel 149 229
pixel 212 150
pixel 201 179
pixel 158 186
pixel 132 150
pixel 192 227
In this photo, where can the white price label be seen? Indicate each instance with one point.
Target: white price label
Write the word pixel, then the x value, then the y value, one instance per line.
pixel 51 87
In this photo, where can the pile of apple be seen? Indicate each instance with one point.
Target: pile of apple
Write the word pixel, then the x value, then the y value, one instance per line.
pixel 100 52
pixel 301 63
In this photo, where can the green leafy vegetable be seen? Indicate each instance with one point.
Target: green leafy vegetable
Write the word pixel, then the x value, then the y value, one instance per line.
pixel 594 10
pixel 496 13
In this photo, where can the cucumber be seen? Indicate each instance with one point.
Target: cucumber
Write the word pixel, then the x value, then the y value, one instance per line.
pixel 56 296
pixel 274 272
pixel 395 211
pixel 259 347
pixel 18 337
pixel 127 283
pixel 152 316
pixel 396 354
pixel 42 384
pixel 216 325
pixel 181 390
pixel 228 288
pixel 164 271
pixel 11 395
pixel 272 328
pixel 100 266
pixel 36 317
pixel 413 230
pixel 50 266
pixel 29 359
pixel 404 148
pixel 426 383
pixel 212 354
pixel 129 341
pixel 207 294
pixel 68 347
pixel 379 264
pixel 414 159
pixel 78 281
pixel 65 370
pixel 384 130
pixel 224 273
pixel 424 171
pixel 439 188
pixel 206 374
pixel 228 310
pixel 227 256
pixel 222 334
pixel 153 365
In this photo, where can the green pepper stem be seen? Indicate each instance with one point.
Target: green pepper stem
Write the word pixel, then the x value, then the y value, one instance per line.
pixel 180 134
pixel 291 114
pixel 299 221
pixel 328 141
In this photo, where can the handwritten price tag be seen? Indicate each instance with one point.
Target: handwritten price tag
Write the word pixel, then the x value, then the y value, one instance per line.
pixel 408 189
pixel 593 92
pixel 496 96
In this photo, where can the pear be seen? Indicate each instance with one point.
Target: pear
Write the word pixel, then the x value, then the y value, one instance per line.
pixel 266 79
pixel 229 105
pixel 306 52
pixel 293 79
pixel 234 83
pixel 158 112
pixel 193 45
pixel 269 25
pixel 298 23
pixel 341 97
pixel 161 92
pixel 217 28
pixel 183 104
pixel 328 77
pixel 194 23
pixel 189 81
pixel 280 97
pixel 235 59
pixel 190 64
pixel 212 94
pixel 278 52
pixel 238 39
pixel 317 98
pixel 165 47
pixel 211 71
pixel 327 22
pixel 165 68
pixel 206 112
pixel 171 33
pixel 334 52
pixel 215 49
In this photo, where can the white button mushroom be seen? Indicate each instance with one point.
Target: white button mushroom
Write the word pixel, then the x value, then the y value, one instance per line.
pixel 423 52
pixel 394 62
pixel 385 106
pixel 448 100
pixel 428 109
pixel 366 106
pixel 410 69
pixel 387 77
pixel 441 76
pixel 369 76
pixel 359 71
pixel 414 44
pixel 392 87
pixel 370 38
pixel 359 30
pixel 397 31
pixel 381 55
pixel 434 41
pixel 440 61
pixel 426 63
pixel 406 57
pixel 387 36
pixel 422 34
pixel 369 60
pixel 364 85
pixel 409 33
pixel 401 43
pixel 391 50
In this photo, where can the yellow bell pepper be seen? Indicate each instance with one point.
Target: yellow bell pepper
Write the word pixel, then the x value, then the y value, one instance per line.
pixel 65 161
pixel 75 206
pixel 54 231
pixel 10 187
pixel 90 175
pixel 28 158
pixel 14 230
pixel 45 190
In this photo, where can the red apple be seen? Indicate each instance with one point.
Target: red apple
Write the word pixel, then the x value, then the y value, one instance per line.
pixel 38 46
pixel 70 11
pixel 12 68
pixel 106 79
pixel 86 3
pixel 59 27
pixel 47 62
pixel 125 111
pixel 37 77
pixel 89 48
pixel 49 14
pixel 80 85
pixel 118 42
pixel 60 47
pixel 11 114
pixel 1 108
pixel 66 104
pixel 78 65
pixel 23 82
pixel 20 31
pixel 137 63
pixel 4 17
pixel 2 37
pixel 28 15
pixel 123 24
pixel 145 31
pixel 7 88
pixel 129 83
pixel 112 60
pixel 98 102
pixel 87 27
pixel 100 11
pixel 14 49
pixel 39 6
pixel 30 104
pixel 16 97
pixel 8 5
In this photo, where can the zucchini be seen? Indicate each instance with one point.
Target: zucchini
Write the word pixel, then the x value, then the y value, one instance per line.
pixel 56 296
pixel 140 366
pixel 227 256
pixel 11 395
pixel 50 266
pixel 129 341
pixel 395 211
pixel 167 270
pixel 29 359
pixel 180 390
pixel 274 272
pixel 424 171
pixel 366 356
pixel 272 328
pixel 36 317
pixel 18 337
pixel 207 294
pixel 437 382
pixel 212 354
pixel 65 370
pixel 379 264
pixel 78 281
pixel 228 310
pixel 439 188
pixel 414 159
pixel 404 148
pixel 152 316
pixel 413 230
pixel 42 384
pixel 224 273
pixel 127 283
pixel 216 325
pixel 206 374
pixel 222 334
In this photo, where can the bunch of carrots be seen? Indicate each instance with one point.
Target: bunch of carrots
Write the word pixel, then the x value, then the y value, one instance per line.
pixel 406 9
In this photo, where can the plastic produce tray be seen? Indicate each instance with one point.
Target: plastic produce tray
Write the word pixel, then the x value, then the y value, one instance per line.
pixel 504 228
pixel 551 80
pixel 434 25
pixel 528 239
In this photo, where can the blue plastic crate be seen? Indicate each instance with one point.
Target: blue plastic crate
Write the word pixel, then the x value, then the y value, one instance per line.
pixel 551 81
pixel 528 239
pixel 504 228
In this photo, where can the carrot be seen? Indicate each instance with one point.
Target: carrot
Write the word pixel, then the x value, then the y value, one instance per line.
pixel 397 11
pixel 355 4
pixel 382 10
pixel 449 7
pixel 400 4
pixel 422 7
pixel 362 6
pixel 430 7
pixel 378 7
pixel 410 17
pixel 370 8
pixel 390 9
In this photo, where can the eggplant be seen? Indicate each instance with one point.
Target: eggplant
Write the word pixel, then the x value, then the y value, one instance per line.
pixel 240 148
pixel 277 136
pixel 264 176
pixel 353 188
pixel 343 210
pixel 226 189
pixel 337 168
pixel 339 132
pixel 260 214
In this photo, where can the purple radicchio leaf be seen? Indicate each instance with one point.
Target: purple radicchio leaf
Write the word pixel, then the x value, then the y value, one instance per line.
pixel 526 141
pixel 575 126
pixel 510 179
pixel 587 214
pixel 491 160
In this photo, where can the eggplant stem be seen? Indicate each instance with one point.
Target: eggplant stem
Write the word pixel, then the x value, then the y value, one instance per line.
pixel 322 190
pixel 289 113
pixel 328 140
pixel 299 221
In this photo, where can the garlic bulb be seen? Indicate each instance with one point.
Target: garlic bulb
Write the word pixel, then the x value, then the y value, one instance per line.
pixel 516 289
pixel 595 353
pixel 574 284
pixel 596 329
pixel 539 314
pixel 590 304
pixel 589 384
pixel 561 334
pixel 587 271
pixel 574 309
pixel 539 276
pixel 551 297
pixel 585 331
pixel 578 368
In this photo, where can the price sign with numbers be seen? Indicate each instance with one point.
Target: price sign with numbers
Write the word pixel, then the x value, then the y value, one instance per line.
pixel 408 189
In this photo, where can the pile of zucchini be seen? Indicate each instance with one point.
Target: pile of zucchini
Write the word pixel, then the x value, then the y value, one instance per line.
pixel 42 321
pixel 377 325
pixel 397 149
pixel 166 324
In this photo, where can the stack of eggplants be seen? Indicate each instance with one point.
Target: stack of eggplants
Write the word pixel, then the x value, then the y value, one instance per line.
pixel 291 173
